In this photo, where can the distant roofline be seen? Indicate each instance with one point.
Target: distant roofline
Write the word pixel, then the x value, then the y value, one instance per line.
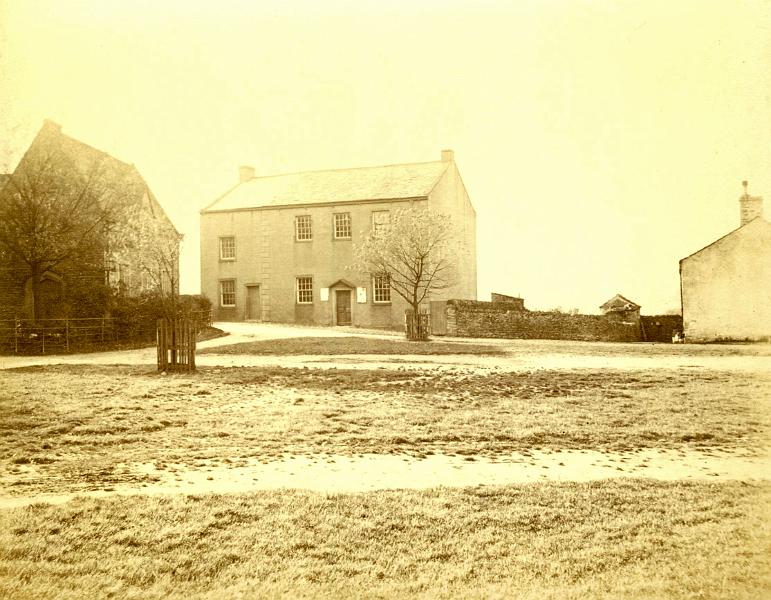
pixel 305 204
pixel 407 164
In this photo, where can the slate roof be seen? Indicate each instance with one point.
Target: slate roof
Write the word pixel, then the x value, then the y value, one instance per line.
pixel 619 303
pixel 391 182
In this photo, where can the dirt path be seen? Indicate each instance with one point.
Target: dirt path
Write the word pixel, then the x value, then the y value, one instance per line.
pixel 376 472
pixel 520 355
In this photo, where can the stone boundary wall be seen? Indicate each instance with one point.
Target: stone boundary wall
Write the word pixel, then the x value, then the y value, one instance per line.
pixel 470 318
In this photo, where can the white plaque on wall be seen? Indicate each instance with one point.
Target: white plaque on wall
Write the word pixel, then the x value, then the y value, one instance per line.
pixel 361 295
pixel 324 294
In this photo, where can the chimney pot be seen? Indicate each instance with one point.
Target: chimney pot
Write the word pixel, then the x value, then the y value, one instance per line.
pixel 245 173
pixel 448 156
pixel 750 207
pixel 52 125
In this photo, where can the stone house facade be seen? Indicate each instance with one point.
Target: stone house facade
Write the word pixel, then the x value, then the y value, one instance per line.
pixel 280 248
pixel 726 286
pixel 80 284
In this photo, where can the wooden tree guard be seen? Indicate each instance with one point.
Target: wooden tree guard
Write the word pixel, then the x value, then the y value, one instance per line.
pixel 418 326
pixel 176 344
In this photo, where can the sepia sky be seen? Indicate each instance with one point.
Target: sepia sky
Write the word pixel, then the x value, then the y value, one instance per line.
pixel 600 141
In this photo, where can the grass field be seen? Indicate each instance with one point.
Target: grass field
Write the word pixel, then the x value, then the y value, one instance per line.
pixel 71 428
pixel 613 539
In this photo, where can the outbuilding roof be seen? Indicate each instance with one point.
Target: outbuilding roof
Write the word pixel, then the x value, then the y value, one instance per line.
pixel 390 182
pixel 619 303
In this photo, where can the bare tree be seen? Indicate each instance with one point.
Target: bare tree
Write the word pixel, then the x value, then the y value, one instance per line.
pixel 55 212
pixel 151 245
pixel 416 252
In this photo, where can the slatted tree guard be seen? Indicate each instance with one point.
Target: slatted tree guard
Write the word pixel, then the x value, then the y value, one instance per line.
pixel 418 326
pixel 176 344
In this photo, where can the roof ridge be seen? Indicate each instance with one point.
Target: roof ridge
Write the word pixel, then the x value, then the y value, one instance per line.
pixel 428 162
pixel 95 149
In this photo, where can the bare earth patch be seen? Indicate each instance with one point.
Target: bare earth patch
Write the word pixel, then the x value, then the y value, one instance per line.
pixel 76 428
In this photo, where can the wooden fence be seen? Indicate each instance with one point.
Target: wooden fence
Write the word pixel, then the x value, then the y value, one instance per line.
pixel 52 336
pixel 176 344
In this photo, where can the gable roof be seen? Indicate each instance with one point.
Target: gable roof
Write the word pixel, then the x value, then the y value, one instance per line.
pixel 390 182
pixel 756 222
pixel 86 158
pixel 619 303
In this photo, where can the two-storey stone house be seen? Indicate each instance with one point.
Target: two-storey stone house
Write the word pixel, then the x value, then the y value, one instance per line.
pixel 280 248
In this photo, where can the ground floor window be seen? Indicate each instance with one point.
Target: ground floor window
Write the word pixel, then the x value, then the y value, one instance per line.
pixel 304 290
pixel 228 292
pixel 381 288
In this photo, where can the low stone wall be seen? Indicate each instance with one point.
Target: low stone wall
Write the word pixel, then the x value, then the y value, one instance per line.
pixel 467 318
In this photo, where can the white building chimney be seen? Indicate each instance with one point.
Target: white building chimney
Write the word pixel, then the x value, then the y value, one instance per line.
pixel 245 173
pixel 448 156
pixel 750 207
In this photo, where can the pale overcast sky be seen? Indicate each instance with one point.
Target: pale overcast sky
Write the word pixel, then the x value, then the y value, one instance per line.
pixel 600 141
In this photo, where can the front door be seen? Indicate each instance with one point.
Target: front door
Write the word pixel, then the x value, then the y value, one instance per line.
pixel 253 303
pixel 343 302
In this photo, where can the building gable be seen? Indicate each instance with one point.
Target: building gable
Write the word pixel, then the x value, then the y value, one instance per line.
pixel 758 228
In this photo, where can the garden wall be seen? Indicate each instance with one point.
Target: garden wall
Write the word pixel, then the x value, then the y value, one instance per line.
pixel 468 318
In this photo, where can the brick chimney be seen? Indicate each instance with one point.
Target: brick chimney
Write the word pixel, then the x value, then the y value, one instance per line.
pixel 245 173
pixel 448 156
pixel 750 207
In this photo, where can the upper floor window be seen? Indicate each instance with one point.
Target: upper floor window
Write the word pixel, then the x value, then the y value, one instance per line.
pixel 381 219
pixel 304 290
pixel 228 292
pixel 342 226
pixel 381 288
pixel 227 248
pixel 302 228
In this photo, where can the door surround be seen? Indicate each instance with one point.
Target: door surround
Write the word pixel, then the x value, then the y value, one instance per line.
pixel 343 286
pixel 253 292
pixel 342 292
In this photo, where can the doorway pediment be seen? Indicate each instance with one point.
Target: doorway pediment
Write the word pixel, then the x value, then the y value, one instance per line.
pixel 342 283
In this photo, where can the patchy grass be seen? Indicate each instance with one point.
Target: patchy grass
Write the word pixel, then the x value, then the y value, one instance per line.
pixel 351 345
pixel 71 428
pixel 611 539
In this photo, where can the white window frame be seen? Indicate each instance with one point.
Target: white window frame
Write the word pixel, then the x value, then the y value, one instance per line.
pixel 379 289
pixel 223 247
pixel 378 226
pixel 307 235
pixel 345 225
pixel 299 288
pixel 223 292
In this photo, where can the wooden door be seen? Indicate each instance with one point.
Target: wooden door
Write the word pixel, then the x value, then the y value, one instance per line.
pixel 343 302
pixel 438 317
pixel 253 303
